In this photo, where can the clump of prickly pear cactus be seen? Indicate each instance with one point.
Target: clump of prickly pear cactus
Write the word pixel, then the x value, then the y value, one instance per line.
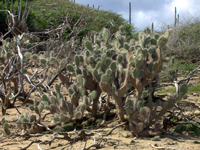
pixel 25 120
pixel 118 63
pixel 38 108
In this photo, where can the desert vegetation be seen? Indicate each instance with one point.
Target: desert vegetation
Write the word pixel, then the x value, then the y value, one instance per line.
pixel 73 71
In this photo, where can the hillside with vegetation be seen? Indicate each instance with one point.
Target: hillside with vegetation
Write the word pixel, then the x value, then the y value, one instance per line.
pixel 68 71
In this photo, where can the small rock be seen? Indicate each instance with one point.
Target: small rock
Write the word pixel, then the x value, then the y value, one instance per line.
pixel 197 112
pixel 156 138
pixel 195 94
pixel 171 143
pixel 124 134
pixel 155 144
pixel 196 142
pixel 132 142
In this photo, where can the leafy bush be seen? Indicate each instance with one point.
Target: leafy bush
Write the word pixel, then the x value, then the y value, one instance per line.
pixel 189 128
pixel 184 41
pixel 51 14
pixel 195 89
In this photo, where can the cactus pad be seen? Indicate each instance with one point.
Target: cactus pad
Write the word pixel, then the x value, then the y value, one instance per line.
pixel 31 107
pixel 70 68
pixel 88 45
pixel 113 66
pixel 93 95
pixel 184 89
pixel 76 58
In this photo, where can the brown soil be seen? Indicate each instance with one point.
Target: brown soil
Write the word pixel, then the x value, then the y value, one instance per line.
pixel 115 140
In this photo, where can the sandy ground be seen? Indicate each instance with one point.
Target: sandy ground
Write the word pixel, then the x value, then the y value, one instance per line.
pixel 115 140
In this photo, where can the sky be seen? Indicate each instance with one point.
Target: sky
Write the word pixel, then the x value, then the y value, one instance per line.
pixel 144 12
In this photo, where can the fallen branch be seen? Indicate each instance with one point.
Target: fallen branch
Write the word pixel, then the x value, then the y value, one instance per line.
pixel 162 148
pixel 114 128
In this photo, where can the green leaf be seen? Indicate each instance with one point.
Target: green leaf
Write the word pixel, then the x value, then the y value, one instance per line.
pixel 103 58
pixel 151 67
pixel 153 41
pixel 108 53
pixel 21 117
pixel 108 62
pixel 85 72
pixel 98 65
pixel 184 89
pixel 28 55
pixel 126 46
pixel 57 88
pixel 56 119
pixel 35 102
pixel 135 73
pixel 5 126
pixel 2 60
pixel 119 58
pixel 43 61
pixel 53 100
pixel 138 63
pixel 89 68
pixel 76 58
pixel 83 108
pixel 85 100
pixel 25 120
pixel 87 53
pixel 54 62
pixel 35 57
pixel 141 73
pixel 3 120
pixel 93 95
pixel 105 78
pixel 31 118
pixel 128 111
pixel 105 34
pixel 40 107
pixel 78 115
pixel 54 93
pixel 63 118
pixel 70 68
pixel 144 94
pixel 108 72
pixel 81 58
pixel 92 60
pixel 63 63
pixel 8 55
pixel 45 98
pixel 88 45
pixel 28 46
pixel 78 71
pixel 80 80
pixel 139 105
pixel 113 66
pixel 51 54
pixel 147 40
pixel 144 52
pixel 156 36
pixel 41 57
pixel 31 107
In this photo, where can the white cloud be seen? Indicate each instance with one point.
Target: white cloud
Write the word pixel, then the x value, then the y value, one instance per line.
pixel 144 12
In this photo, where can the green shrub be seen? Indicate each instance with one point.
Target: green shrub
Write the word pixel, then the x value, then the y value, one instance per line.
pixel 189 128
pixel 195 89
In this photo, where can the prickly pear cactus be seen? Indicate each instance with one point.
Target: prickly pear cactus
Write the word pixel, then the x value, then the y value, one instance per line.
pixel 25 120
pixel 5 126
